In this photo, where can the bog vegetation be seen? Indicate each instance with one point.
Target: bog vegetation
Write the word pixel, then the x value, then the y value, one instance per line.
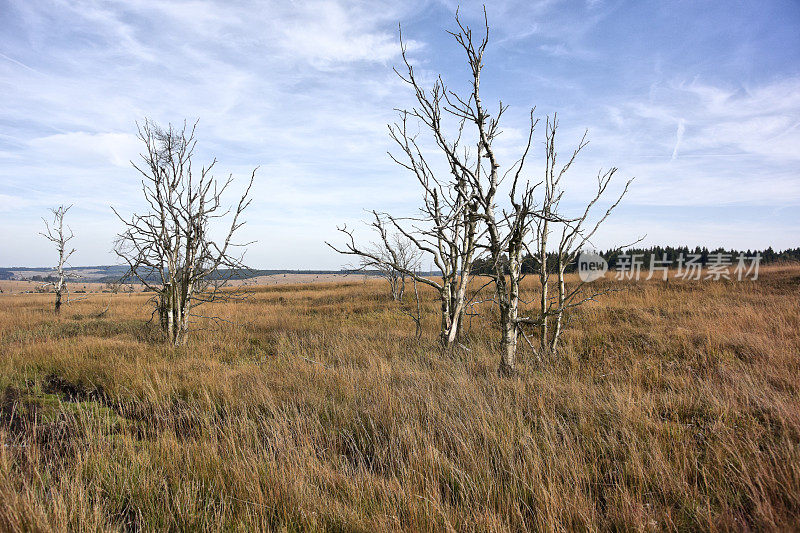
pixel 670 406
pixel 476 399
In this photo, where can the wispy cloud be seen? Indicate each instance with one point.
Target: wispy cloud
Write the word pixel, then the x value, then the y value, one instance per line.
pixel 678 138
pixel 18 63
pixel 306 90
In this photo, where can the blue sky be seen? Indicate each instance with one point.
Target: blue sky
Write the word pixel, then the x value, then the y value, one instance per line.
pixel 700 101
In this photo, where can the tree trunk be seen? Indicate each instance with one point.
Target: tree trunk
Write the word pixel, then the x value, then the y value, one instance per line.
pixel 544 281
pixel 508 345
pixel 451 320
pixel 171 314
pixel 508 298
pixel 561 300
pixel 454 330
pixel 163 307
pixel 452 313
pixel 394 288
pixel 60 285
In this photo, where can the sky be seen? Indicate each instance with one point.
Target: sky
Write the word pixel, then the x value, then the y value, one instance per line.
pixel 698 100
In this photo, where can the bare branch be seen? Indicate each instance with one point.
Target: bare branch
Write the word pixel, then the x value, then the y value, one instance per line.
pixel 169 249
pixel 60 235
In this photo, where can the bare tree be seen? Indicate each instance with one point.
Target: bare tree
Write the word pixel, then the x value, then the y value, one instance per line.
pixel 407 258
pixel 477 207
pixel 415 313
pixel 506 229
pixel 450 253
pixel 508 226
pixel 575 235
pixel 170 249
pixel 446 227
pixel 58 236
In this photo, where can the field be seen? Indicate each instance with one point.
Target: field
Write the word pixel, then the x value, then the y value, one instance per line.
pixel 671 406
pixel 22 286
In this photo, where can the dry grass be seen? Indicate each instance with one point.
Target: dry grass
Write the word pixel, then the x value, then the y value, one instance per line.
pixel 672 407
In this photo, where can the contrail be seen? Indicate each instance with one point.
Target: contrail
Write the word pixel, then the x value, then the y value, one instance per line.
pixel 23 65
pixel 678 138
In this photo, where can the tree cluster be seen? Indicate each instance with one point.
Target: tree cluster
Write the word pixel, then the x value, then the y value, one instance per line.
pixel 483 215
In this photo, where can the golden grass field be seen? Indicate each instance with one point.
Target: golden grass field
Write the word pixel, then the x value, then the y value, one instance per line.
pixel 671 407
pixel 20 286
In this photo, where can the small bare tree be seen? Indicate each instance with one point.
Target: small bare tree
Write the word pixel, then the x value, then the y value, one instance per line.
pixel 407 258
pixel 169 249
pixel 506 229
pixel 415 313
pixel 575 234
pixel 58 236
pixel 450 253
pixel 446 228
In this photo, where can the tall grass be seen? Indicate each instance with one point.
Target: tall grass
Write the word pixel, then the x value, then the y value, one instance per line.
pixel 671 406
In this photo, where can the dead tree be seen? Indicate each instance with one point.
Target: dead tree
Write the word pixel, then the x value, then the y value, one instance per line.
pixel 407 258
pixel 169 249
pixel 58 236
pixel 506 229
pixel 508 220
pixel 416 313
pixel 575 234
pixel 444 244
pixel 446 227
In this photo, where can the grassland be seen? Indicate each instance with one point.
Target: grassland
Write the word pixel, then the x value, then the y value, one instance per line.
pixel 671 406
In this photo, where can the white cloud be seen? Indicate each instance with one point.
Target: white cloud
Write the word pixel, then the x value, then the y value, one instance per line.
pixel 762 121
pixel 306 89
pixel 698 144
pixel 678 137
pixel 117 149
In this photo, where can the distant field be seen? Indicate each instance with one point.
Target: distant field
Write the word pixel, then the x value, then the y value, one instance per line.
pixel 672 406
pixel 19 286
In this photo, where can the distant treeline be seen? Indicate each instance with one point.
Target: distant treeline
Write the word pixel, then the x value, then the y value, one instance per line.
pixel 117 273
pixel 659 253
pixel 49 279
